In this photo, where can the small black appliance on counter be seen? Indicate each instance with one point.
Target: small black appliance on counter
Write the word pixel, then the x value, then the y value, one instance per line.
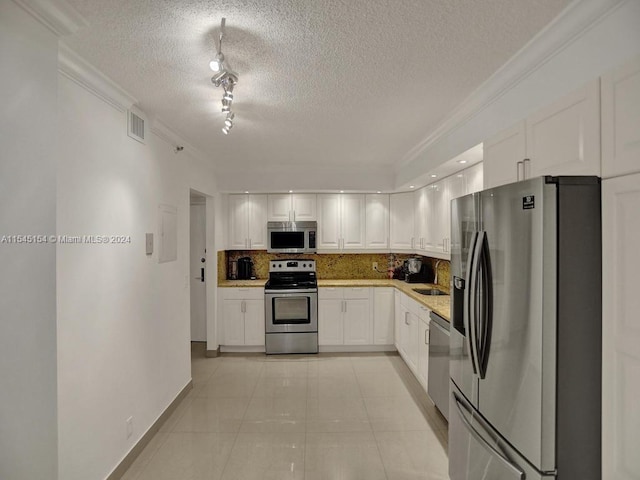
pixel 425 275
pixel 245 267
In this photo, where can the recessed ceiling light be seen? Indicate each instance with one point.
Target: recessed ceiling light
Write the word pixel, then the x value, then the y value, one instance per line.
pixel 412 186
pixel 290 191
pixel 341 191
pixel 433 175
pixel 246 191
pixel 379 191
pixel 462 161
pixel 459 175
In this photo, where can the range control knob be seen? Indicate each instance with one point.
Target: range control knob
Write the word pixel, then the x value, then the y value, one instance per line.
pixel 280 265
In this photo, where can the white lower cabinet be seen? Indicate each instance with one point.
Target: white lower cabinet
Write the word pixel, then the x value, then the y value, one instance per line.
pixel 423 353
pixel 412 335
pixel 241 317
pixel 383 315
pixel 344 316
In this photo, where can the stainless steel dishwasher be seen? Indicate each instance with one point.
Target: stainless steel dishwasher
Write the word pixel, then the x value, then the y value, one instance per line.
pixel 438 382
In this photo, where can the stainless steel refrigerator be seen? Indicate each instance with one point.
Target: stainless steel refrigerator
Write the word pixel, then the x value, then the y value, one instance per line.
pixel 526 332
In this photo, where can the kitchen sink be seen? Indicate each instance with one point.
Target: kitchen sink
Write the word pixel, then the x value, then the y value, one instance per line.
pixel 429 291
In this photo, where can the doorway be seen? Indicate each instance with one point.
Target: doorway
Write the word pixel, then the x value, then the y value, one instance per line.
pixel 197 266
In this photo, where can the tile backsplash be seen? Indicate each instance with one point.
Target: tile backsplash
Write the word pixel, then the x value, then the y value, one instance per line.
pixel 332 266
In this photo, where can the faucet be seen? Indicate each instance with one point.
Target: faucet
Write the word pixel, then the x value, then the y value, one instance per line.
pixel 435 278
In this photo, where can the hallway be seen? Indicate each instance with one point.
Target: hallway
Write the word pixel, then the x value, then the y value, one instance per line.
pixel 308 417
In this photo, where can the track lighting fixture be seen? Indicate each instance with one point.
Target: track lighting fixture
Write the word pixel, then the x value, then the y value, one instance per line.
pixel 226 78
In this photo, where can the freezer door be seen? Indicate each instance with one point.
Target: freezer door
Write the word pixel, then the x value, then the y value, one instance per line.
pixel 464 227
pixel 476 451
pixel 515 316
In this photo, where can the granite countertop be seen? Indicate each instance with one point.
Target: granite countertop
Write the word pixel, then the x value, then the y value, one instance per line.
pixel 440 304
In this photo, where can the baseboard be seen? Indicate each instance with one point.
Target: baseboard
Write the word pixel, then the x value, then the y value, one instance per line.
pixel 212 353
pixel 357 348
pixel 241 349
pixel 137 449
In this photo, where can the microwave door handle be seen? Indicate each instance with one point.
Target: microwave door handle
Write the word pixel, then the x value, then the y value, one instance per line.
pixel 490 448
pixel 469 299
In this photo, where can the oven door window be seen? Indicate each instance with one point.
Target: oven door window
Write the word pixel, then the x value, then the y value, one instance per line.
pixel 291 310
pixel 282 240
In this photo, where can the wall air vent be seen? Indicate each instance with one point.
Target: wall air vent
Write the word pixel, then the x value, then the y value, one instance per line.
pixel 135 125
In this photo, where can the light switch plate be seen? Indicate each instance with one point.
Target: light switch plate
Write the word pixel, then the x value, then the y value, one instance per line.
pixel 149 243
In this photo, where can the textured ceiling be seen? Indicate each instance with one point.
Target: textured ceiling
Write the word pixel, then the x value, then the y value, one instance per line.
pixel 322 82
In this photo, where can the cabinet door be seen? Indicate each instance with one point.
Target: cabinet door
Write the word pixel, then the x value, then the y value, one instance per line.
pixel 474 178
pixel 564 138
pixel 402 221
pixel 257 222
pixel 238 222
pixel 620 327
pixel 620 120
pixel 377 222
pixel 279 207
pixel 254 322
pixel 357 322
pixel 421 217
pixel 423 353
pixel 435 234
pixel 330 325
pixel 454 188
pixel 413 341
pixel 328 236
pixel 304 207
pixel 233 322
pixel 398 319
pixel 383 316
pixel 502 153
pixel 352 221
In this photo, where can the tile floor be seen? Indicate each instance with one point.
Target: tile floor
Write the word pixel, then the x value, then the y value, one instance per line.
pixel 299 417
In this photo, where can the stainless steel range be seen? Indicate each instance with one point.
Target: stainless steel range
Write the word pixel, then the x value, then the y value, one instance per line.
pixel 291 307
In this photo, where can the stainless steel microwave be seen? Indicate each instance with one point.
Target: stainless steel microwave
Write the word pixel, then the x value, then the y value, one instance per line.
pixel 291 237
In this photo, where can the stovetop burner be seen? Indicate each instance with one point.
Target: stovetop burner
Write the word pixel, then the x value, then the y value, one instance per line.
pixel 292 274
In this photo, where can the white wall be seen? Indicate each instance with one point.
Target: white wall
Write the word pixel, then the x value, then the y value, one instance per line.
pixel 123 318
pixel 28 88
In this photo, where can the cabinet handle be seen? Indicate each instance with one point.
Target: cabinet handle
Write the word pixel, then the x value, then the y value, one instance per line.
pixel 249 244
pixel 345 306
pixel 406 318
pixel 518 165
pixel 413 242
pixel 525 162
pixel 426 332
pixel 242 310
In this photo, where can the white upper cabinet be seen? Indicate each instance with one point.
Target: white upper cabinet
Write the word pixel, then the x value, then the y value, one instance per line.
pixel 341 221
pixel 621 120
pixel 504 155
pixel 353 221
pixel 437 199
pixel 292 207
pixel 377 221
pixel 560 139
pixel 564 138
pixel 421 218
pixel 402 221
pixel 247 222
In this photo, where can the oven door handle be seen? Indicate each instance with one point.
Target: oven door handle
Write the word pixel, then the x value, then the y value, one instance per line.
pixel 289 293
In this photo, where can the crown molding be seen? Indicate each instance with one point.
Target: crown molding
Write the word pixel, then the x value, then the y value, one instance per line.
pixel 77 69
pixel 166 133
pixel 574 21
pixel 57 15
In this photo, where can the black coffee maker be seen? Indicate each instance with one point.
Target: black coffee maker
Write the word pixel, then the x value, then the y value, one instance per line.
pixel 245 267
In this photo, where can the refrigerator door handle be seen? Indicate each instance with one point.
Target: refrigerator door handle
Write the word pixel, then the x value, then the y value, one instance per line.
pixel 493 450
pixel 486 306
pixel 473 311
